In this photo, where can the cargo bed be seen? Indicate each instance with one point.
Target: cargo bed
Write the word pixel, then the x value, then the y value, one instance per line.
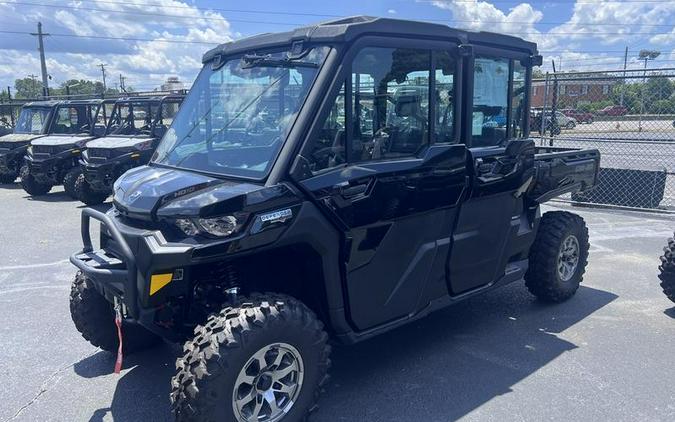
pixel 563 170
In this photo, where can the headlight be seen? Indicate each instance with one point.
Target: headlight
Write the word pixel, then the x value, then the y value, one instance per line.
pixel 187 226
pixel 217 226
pixel 85 154
pixel 30 150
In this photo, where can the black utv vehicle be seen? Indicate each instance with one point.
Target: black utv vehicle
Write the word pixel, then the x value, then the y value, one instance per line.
pixel 33 122
pixel 134 129
pixel 336 181
pixel 53 160
pixel 667 269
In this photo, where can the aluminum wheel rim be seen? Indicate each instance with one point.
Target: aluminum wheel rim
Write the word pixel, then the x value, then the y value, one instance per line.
pixel 268 384
pixel 568 258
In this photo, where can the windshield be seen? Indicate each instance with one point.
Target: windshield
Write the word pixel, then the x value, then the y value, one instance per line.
pixel 32 120
pixel 236 117
pixel 132 118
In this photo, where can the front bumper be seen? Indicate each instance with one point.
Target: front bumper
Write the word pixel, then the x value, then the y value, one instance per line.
pixel 115 272
pixel 102 175
pixel 50 168
pixel 10 161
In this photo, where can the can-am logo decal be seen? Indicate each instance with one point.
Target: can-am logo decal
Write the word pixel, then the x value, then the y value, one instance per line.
pixel 277 216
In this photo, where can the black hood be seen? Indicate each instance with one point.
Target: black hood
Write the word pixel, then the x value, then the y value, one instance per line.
pixel 151 192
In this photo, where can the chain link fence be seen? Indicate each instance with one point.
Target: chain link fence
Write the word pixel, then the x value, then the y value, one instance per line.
pixel 629 116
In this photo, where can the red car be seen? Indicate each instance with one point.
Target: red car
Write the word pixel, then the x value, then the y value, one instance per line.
pixel 578 115
pixel 614 110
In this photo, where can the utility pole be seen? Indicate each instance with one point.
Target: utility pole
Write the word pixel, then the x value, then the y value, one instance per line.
pixel 122 87
pixel 102 66
pixel 625 64
pixel 43 64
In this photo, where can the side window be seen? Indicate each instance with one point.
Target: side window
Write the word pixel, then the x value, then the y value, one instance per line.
pixel 490 89
pixel 518 99
pixel 328 149
pixel 390 102
pixel 67 120
pixel 444 91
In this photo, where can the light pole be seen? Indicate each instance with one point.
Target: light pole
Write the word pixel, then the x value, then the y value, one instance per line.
pixel 70 86
pixel 645 55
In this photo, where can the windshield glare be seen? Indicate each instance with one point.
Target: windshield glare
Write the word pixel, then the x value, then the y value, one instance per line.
pixel 32 120
pixel 236 118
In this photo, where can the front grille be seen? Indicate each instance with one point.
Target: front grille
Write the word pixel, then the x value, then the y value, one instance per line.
pixel 104 153
pixel 50 149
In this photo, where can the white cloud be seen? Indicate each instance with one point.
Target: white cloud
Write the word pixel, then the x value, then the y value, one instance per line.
pixel 144 63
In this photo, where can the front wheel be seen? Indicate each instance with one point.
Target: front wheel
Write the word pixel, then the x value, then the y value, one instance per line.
pixel 265 359
pixel 94 318
pixel 7 178
pixel 558 257
pixel 85 193
pixel 667 270
pixel 570 125
pixel 69 181
pixel 32 186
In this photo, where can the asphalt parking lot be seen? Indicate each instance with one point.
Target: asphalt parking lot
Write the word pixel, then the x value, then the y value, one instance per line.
pixel 604 355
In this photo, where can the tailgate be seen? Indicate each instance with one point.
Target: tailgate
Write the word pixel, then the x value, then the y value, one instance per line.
pixel 563 170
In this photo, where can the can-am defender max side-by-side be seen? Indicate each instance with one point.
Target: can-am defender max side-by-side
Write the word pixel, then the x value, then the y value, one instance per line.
pixel 134 129
pixel 336 181
pixel 33 122
pixel 53 160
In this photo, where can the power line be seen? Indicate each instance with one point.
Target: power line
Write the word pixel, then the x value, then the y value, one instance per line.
pixel 155 14
pixel 102 37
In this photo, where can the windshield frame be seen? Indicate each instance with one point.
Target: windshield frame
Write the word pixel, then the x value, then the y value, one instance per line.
pixel 215 65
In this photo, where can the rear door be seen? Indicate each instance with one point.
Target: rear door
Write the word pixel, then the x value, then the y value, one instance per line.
pixel 384 163
pixel 492 218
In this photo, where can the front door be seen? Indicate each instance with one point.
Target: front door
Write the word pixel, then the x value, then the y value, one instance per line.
pixel 386 167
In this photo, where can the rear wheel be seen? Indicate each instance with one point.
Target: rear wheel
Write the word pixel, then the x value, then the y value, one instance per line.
pixel 264 360
pixel 32 186
pixel 667 270
pixel 558 257
pixel 69 181
pixel 94 318
pixel 86 194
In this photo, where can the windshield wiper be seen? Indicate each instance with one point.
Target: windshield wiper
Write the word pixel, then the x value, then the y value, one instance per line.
pixel 254 60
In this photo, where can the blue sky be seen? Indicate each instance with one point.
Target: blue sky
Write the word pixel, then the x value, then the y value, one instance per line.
pixel 578 34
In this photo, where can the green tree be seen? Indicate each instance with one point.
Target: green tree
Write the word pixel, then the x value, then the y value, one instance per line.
pixel 27 88
pixel 658 88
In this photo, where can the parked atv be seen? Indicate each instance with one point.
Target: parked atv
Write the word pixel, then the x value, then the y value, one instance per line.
pixel 333 169
pixel 667 269
pixel 53 160
pixel 135 127
pixel 33 122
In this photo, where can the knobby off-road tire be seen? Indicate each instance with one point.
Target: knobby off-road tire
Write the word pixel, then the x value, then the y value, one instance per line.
pixel 86 194
pixel 237 352
pixel 667 269
pixel 94 318
pixel 558 257
pixel 32 186
pixel 6 179
pixel 69 181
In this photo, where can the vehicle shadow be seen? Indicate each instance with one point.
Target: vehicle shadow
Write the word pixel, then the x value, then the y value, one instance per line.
pixel 57 196
pixel 12 186
pixel 98 207
pixel 437 369
pixel 670 312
